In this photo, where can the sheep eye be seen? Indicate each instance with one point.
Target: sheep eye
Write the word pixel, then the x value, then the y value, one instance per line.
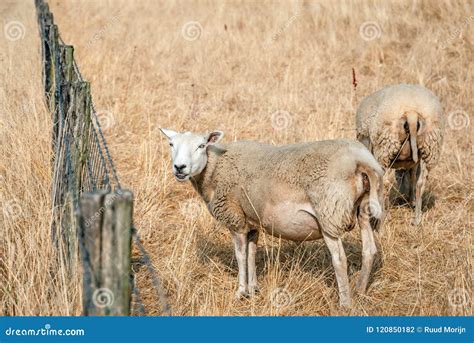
pixel 171 144
pixel 202 146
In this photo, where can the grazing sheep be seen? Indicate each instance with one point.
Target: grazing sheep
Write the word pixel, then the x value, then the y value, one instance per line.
pixel 298 192
pixel 386 120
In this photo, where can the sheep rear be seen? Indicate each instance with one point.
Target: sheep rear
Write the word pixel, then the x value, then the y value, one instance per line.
pixel 412 123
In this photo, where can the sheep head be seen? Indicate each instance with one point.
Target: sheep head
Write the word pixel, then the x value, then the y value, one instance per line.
pixel 189 151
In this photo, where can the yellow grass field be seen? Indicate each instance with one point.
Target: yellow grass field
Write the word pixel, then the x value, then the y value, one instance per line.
pixel 275 71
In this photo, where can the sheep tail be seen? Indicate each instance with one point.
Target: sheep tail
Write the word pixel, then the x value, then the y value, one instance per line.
pixel 375 206
pixel 374 194
pixel 412 120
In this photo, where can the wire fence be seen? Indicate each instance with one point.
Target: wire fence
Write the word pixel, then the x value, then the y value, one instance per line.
pixel 81 161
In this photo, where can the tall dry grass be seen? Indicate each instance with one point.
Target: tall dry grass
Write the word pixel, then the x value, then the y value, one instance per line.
pixel 251 60
pixel 31 282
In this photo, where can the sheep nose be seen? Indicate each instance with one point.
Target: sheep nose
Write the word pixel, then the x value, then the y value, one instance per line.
pixel 180 167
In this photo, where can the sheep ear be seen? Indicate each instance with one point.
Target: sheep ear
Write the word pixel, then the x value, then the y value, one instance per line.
pixel 214 137
pixel 168 133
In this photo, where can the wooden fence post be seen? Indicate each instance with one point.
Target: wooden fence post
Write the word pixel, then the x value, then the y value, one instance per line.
pixel 55 75
pixel 106 230
pixel 46 18
pixel 50 35
pixel 78 122
pixel 116 249
pixel 67 62
pixel 73 131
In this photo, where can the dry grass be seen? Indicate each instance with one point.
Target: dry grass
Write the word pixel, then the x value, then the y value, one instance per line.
pixel 141 69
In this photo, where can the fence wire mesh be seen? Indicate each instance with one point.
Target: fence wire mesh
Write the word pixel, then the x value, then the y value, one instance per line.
pixel 81 160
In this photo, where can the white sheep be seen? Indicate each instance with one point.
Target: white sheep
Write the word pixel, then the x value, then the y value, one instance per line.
pixel 298 192
pixel 403 126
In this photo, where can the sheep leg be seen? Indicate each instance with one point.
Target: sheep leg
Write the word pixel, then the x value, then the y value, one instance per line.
pixel 404 184
pixel 369 249
pixel 413 180
pixel 339 262
pixel 252 238
pixel 420 187
pixel 240 247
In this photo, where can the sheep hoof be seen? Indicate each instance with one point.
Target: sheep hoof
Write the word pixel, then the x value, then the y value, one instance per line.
pixel 241 293
pixel 360 289
pixel 416 221
pixel 345 304
pixel 253 290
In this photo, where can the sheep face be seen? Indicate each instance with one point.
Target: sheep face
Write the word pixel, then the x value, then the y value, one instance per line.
pixel 188 151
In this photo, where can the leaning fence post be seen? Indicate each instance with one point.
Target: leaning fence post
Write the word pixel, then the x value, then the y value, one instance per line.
pixel 105 232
